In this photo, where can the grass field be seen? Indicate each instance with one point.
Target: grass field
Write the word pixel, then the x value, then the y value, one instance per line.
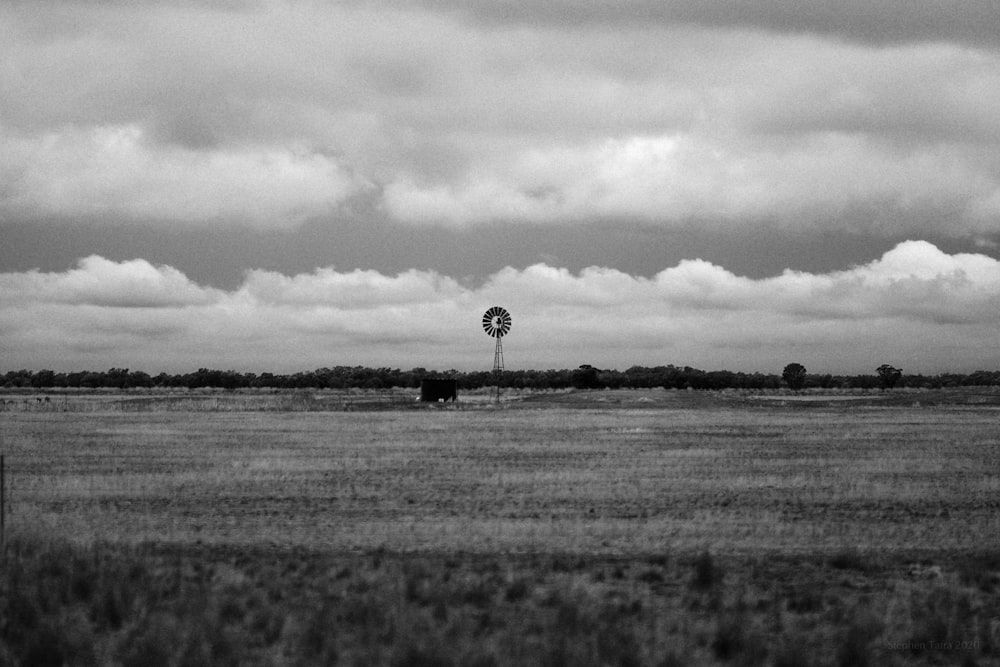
pixel 660 528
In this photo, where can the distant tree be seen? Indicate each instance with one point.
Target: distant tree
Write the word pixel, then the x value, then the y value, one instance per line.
pixel 888 376
pixel 139 379
pixel 44 379
pixel 21 378
pixel 264 380
pixel 584 377
pixel 826 381
pixel 116 377
pixel 795 375
pixel 612 379
pixel 862 381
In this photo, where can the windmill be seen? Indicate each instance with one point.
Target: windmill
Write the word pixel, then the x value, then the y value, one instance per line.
pixel 496 323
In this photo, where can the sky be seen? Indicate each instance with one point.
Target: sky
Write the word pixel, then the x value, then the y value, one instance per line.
pixel 284 185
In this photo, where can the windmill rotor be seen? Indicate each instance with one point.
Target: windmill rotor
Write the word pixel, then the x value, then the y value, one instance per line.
pixel 496 322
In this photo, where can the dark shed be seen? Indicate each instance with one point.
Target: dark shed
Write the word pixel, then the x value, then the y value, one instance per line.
pixel 433 390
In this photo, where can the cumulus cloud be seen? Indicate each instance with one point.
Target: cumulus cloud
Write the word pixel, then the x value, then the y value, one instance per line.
pixel 916 307
pixel 328 287
pixel 100 282
pixel 679 178
pixel 116 172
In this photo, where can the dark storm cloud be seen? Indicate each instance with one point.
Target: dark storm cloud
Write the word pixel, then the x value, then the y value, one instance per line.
pixel 275 114
pixel 975 22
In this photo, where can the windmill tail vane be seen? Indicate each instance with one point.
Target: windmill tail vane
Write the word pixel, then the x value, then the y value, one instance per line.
pixel 496 323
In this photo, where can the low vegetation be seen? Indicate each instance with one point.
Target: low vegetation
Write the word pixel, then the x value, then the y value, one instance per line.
pixel 705 531
pixel 155 605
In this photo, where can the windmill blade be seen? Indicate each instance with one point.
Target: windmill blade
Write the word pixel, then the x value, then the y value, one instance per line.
pixel 496 321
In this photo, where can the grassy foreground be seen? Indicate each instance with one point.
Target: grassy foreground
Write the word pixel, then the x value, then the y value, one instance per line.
pixel 149 606
pixel 690 533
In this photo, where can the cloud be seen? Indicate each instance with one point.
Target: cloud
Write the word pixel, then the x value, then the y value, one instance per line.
pixel 354 289
pixel 869 21
pixel 100 282
pixel 676 178
pixel 916 307
pixel 270 114
pixel 116 171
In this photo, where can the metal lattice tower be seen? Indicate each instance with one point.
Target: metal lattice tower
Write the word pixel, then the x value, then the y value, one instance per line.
pixel 496 323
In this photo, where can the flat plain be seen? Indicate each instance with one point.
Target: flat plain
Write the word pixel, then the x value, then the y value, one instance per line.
pixel 606 527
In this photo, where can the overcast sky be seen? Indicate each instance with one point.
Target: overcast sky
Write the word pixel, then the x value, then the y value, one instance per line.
pixel 285 185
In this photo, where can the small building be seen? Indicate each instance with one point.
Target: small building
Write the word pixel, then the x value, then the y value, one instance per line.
pixel 433 390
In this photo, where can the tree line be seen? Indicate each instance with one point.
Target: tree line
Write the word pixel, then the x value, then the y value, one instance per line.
pixel 793 376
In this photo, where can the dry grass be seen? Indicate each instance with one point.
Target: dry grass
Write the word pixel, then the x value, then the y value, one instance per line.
pixel 713 531
pixel 156 605
pixel 600 482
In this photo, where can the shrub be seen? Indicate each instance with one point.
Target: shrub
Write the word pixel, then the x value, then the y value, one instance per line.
pixel 412 655
pixel 518 590
pixel 792 653
pixel 706 572
pixel 733 640
pixel 651 576
pixel 849 558
pixel 151 643
pixel 855 644
pixel 44 648
pixel 854 648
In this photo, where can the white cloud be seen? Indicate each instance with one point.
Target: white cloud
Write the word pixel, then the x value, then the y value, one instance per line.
pixel 915 307
pixel 808 182
pixel 351 290
pixel 100 282
pixel 116 172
